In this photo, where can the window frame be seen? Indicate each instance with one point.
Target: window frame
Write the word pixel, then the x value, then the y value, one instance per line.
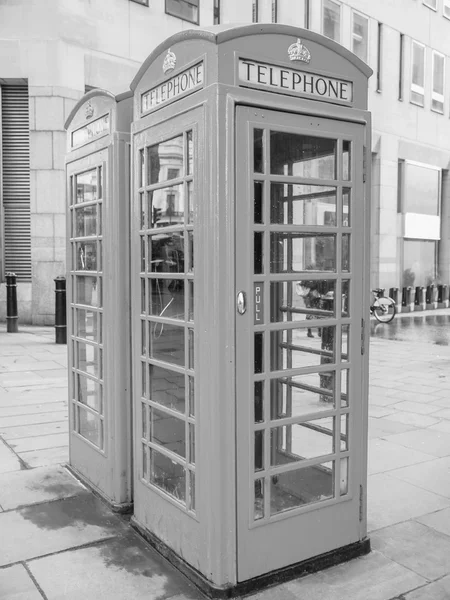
pixel 436 96
pixel 352 33
pixel 195 3
pixel 255 11
pixel 428 4
pixel 216 12
pixel 401 67
pixel 339 5
pixel 379 56
pixel 274 11
pixel 414 87
pixel 141 2
pixel 446 9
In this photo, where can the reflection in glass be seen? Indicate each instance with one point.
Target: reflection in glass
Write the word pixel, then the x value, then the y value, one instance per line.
pixel 301 486
pixel 191 300
pixel 259 499
pixel 259 352
pixel 192 490
pixel 143 338
pixel 167 252
pixel 300 395
pixel 191 349
pixel 293 348
pixel 89 392
pixel 344 387
pixel 168 431
pixel 302 155
pixel 345 339
pixel 344 432
pixel 259 450
pixel 144 379
pixel 86 186
pixel 87 324
pixel 167 475
pixel 294 204
pixel 295 252
pixel 344 476
pixel 190 239
pixel 167 298
pixel 258 156
pixel 141 168
pixel 345 298
pixel 258 253
pixel 143 262
pixel 302 299
pixel 190 201
pixel 190 153
pixel 259 401
pixel 89 359
pixel 301 441
pixel 89 426
pixel 144 420
pixel 86 256
pixel 346 252
pixel 191 397
pixel 142 202
pixel 165 160
pixel 88 290
pixel 85 221
pixel 167 343
pixel 346 207
pixel 143 297
pixel 145 451
pixel 346 157
pixel 167 206
pixel 191 443
pixel 258 201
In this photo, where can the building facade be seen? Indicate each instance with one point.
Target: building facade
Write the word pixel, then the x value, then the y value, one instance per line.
pixel 52 52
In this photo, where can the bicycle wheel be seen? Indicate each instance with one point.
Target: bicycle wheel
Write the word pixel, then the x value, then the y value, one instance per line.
pixel 384 309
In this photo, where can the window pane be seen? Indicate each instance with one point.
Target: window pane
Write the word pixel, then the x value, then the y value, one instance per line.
pixel 302 204
pixel 167 252
pixel 89 392
pixel 167 475
pixel 183 9
pixel 293 348
pixel 167 343
pixel 167 206
pixel 418 64
pixel 87 324
pixel 86 186
pixel 167 388
pixel 89 426
pixel 301 394
pixel 258 201
pixel 88 290
pixel 360 35
pixel 168 431
pixel 258 156
pixel 437 102
pixel 301 441
pixel 89 359
pixel 86 256
pixel 85 221
pixel 419 263
pixel 295 252
pixel 167 298
pixel 332 20
pixel 165 160
pixel 302 155
pixel 421 193
pixel 302 299
pixel 259 499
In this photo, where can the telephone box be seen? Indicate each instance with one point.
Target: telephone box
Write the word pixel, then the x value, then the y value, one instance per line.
pixel 249 281
pixel 98 294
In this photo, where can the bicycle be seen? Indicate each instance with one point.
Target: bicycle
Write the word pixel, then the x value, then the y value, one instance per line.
pixel 383 307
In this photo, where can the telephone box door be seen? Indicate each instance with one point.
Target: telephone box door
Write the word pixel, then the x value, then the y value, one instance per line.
pixel 299 288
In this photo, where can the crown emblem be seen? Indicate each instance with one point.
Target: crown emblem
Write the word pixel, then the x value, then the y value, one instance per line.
pixel 89 110
pixel 298 51
pixel 170 61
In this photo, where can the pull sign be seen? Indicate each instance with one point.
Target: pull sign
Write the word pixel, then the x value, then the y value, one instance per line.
pixel 241 303
pixel 259 303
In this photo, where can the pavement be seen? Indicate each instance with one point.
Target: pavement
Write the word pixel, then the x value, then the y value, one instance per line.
pixel 59 541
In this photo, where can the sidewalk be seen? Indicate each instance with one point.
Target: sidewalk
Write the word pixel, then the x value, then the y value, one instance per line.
pixel 58 541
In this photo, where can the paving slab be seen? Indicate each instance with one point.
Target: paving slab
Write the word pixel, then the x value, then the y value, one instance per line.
pixel 124 567
pixel 435 443
pixel 48 456
pixel 416 547
pixel 16 584
pixel 34 486
pixel 42 429
pixel 55 526
pixel 386 455
pixel 39 442
pixel 433 476
pixel 410 418
pixel 8 460
pixel 29 365
pixel 439 520
pixel 416 407
pixel 438 590
pixel 21 420
pixel 382 426
pixel 30 409
pixel 391 501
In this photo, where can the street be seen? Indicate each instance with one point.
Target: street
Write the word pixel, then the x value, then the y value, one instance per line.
pixel 424 328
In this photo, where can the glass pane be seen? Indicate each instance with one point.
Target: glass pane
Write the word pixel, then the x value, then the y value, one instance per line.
pixel 345 343
pixel 259 499
pixel 259 401
pixel 100 182
pixel 167 343
pixel 192 490
pixel 190 202
pixel 360 36
pixel 302 204
pixel 344 387
pixel 190 239
pixel 86 185
pixel 259 352
pixel 302 155
pixel 168 431
pixel 301 300
pixel 346 207
pixel 191 300
pixel 191 443
pixel 190 153
pixel 145 462
pixel 295 252
pixel 144 379
pixel 86 256
pixel 89 392
pixel 141 167
pixel 143 298
pixel 301 394
pixel 145 428
pixel 143 253
pixel 167 388
pixel 167 252
pixel 165 160
pixel 346 252
pixel 89 426
pixel 258 155
pixel 87 324
pixel 293 348
pixel 143 338
pixel 421 193
pixel 191 358
pixel 259 450
pixel 89 359
pixel 344 476
pixel 191 397
pixel 167 206
pixel 418 54
pixel 167 475
pixel 346 160
pixel 301 441
pixel 332 20
pixel 258 201
pixel 345 298
pixel 183 9
pixel 258 252
pixel 419 262
pixel 167 298
pixel 85 221
pixel 344 432
pixel 142 211
pixel 302 486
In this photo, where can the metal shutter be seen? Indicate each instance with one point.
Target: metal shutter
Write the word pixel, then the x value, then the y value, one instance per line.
pixel 15 165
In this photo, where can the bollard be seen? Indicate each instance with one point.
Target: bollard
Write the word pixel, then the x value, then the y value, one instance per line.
pixel 393 293
pixel 12 318
pixel 443 300
pixel 420 302
pixel 432 296
pixel 60 311
pixel 408 299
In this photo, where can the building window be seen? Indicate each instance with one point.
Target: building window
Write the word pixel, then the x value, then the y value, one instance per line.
pixel 183 9
pixel 379 55
pixel 419 262
pixel 360 33
pixel 274 11
pixel 446 9
pixel 421 189
pixel 400 67
pixel 418 73
pixel 143 2
pixel 332 20
pixel 255 11
pixel 216 12
pixel 430 3
pixel 308 14
pixel 437 93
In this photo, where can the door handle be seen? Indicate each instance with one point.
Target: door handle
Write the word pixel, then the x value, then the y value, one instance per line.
pixel 241 303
